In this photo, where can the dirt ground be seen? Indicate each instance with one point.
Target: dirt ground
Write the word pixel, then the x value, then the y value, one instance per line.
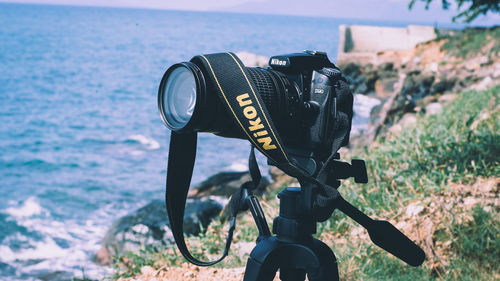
pixel 190 272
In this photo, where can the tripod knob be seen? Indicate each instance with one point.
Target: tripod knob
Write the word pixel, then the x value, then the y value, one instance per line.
pixel 359 171
pixel 344 170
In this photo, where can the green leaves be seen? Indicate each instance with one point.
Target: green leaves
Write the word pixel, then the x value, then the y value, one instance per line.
pixel 474 9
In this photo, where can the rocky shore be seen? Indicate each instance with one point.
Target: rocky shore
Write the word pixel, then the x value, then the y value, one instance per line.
pixel 420 80
pixel 149 225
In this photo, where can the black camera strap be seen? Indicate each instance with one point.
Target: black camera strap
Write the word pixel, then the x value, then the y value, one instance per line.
pixel 241 100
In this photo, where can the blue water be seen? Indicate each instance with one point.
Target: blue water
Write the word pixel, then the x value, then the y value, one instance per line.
pixel 81 141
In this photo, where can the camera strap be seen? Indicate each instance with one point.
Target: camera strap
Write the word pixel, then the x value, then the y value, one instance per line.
pixel 241 100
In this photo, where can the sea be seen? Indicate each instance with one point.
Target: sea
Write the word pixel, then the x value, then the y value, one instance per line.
pixel 81 139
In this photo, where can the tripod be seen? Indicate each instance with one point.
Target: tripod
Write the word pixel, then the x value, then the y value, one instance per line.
pixel 296 253
pixel 293 250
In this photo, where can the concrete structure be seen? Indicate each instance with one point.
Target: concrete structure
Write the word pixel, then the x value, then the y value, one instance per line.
pixel 362 43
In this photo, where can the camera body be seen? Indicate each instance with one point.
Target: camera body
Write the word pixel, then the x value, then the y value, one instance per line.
pixel 312 105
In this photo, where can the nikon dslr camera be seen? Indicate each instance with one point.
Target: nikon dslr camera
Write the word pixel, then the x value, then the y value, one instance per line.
pixel 305 96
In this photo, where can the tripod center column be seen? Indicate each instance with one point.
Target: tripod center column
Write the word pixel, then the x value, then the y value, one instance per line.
pixel 293 223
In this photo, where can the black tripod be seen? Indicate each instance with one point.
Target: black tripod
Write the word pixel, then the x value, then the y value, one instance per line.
pixel 296 253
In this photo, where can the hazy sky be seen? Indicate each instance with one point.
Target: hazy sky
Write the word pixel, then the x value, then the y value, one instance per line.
pixel 396 10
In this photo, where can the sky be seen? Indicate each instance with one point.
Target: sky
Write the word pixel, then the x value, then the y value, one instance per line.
pixel 392 10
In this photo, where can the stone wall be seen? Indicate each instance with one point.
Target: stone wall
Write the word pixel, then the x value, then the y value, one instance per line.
pixel 361 43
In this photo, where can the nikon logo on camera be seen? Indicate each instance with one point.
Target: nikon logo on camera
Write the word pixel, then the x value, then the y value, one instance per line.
pixel 256 128
pixel 278 62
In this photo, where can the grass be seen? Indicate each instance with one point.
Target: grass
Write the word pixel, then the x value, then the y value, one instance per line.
pixel 424 165
pixel 458 145
pixel 472 42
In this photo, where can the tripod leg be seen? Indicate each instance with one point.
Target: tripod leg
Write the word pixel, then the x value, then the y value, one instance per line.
pixel 292 274
pixel 328 262
pixel 256 271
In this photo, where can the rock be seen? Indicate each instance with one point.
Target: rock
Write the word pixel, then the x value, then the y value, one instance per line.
pixel 484 84
pixel 496 73
pixel 434 67
pixel 225 184
pixel 385 87
pixel 375 113
pixel 447 98
pixel 442 86
pixel 386 66
pixel 53 275
pixel 415 87
pixel 414 209
pixel 361 78
pixel 433 108
pixel 423 102
pixel 275 173
pixel 484 61
pixel 250 59
pixel 407 120
pixel 150 226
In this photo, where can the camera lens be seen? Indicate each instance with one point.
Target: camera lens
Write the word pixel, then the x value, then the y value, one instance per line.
pixel 189 102
pixel 178 96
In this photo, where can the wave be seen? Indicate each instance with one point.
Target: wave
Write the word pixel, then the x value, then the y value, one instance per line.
pixel 30 207
pixel 38 164
pixel 42 244
pixel 148 143
pixel 238 166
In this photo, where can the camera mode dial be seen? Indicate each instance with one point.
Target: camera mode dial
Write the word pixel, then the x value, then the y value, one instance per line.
pixel 330 72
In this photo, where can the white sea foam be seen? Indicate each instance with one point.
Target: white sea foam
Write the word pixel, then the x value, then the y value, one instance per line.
pixel 238 166
pixel 363 105
pixel 83 241
pixel 149 143
pixel 46 249
pixel 30 207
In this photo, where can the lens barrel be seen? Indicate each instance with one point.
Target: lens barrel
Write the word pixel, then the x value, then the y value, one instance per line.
pixel 189 102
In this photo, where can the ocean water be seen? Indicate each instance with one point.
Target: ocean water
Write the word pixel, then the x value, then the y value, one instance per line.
pixel 81 141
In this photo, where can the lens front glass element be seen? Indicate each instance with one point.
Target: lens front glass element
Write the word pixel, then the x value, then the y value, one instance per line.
pixel 179 97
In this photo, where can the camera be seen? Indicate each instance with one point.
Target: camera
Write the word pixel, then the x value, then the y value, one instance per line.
pixel 297 112
pixel 303 93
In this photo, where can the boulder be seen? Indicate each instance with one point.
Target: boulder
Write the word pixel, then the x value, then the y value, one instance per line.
pixel 433 108
pixel 442 86
pixel 447 98
pixel 484 84
pixel 415 87
pixel 360 77
pixel 225 184
pixel 407 120
pixel 150 226
pixel 385 87
pixel 57 275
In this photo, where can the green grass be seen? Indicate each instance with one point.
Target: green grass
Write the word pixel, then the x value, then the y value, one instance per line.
pixel 456 146
pixel 478 241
